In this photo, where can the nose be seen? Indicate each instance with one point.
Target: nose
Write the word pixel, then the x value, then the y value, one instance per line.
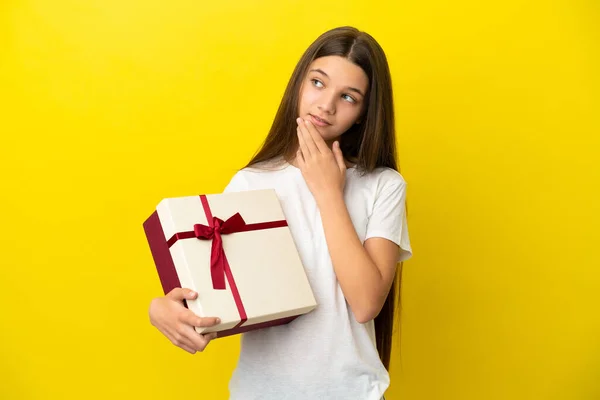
pixel 327 103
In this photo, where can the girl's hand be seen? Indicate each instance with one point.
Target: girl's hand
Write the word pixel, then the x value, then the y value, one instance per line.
pixel 176 322
pixel 323 170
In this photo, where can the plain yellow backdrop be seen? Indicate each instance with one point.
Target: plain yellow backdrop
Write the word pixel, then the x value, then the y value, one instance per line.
pixel 109 106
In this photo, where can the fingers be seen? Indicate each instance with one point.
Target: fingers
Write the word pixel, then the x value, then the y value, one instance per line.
pixel 308 139
pixel 208 322
pixel 181 331
pixel 181 340
pixel 300 159
pixel 302 144
pixel 339 156
pixel 188 349
pixel 193 339
pixel 315 137
pixel 179 294
pixel 192 319
pixel 186 337
pixel 178 323
pixel 189 320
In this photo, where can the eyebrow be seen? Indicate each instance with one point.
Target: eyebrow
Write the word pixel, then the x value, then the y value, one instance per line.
pixel 349 88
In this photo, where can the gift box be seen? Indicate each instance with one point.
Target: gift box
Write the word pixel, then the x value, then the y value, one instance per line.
pixel 237 252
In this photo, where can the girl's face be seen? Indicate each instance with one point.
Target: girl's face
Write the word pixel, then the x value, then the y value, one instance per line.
pixel 332 95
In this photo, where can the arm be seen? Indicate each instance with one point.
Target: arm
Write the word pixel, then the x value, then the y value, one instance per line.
pixel 365 273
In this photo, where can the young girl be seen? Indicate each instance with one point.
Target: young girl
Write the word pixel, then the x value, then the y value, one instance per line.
pixel 331 158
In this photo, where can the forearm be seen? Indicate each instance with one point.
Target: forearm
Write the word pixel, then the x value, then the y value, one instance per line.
pixel 360 279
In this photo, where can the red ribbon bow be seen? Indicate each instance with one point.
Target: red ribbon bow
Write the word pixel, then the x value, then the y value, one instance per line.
pixel 217 255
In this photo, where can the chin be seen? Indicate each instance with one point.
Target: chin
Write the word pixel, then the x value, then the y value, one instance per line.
pixel 328 136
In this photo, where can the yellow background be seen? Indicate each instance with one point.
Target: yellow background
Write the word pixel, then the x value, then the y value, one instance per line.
pixel 109 106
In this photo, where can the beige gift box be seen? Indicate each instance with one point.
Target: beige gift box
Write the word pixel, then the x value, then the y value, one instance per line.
pixel 237 252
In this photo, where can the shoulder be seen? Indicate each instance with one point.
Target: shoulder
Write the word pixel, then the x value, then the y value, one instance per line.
pixel 256 175
pixel 237 182
pixel 390 176
pixel 381 179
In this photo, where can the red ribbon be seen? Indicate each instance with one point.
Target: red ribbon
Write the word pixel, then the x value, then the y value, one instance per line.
pixel 219 267
pixel 217 254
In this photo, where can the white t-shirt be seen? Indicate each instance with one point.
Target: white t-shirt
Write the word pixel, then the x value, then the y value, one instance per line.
pixel 324 354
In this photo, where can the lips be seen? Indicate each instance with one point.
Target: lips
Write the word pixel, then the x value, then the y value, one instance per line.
pixel 320 121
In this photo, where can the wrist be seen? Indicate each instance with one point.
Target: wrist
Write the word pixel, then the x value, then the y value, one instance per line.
pixel 331 197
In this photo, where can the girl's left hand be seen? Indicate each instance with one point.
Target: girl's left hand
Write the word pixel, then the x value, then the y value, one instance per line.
pixel 323 170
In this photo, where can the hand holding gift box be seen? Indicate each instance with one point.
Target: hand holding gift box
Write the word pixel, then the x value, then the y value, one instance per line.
pixel 237 252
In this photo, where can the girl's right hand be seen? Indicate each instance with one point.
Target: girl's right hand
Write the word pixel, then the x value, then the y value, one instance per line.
pixel 176 322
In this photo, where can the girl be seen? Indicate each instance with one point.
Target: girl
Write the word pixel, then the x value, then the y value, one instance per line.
pixel 331 157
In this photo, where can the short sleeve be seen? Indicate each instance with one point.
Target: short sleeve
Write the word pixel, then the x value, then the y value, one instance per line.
pixel 236 184
pixel 388 218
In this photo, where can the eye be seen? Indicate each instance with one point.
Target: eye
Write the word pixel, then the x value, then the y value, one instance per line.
pixel 316 82
pixel 349 98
